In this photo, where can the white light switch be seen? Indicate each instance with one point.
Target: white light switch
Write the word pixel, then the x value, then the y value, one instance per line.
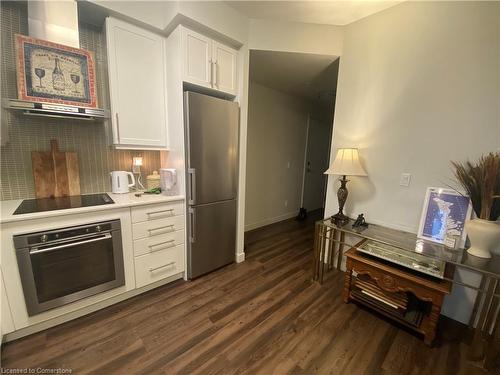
pixel 405 179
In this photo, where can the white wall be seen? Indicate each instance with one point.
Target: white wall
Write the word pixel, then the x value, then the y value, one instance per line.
pixel 213 16
pixel 272 35
pixel 153 13
pixel 277 126
pixel 217 16
pixel 419 85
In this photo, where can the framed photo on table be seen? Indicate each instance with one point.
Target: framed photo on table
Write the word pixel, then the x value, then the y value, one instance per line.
pixel 54 73
pixel 445 212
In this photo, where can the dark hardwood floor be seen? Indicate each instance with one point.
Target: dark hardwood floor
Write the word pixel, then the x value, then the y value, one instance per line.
pixel 262 316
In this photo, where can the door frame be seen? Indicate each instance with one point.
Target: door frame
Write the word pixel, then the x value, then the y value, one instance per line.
pixel 304 171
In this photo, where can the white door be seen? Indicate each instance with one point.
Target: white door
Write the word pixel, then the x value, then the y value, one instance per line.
pixel 317 156
pixel 197 58
pixel 225 60
pixel 137 75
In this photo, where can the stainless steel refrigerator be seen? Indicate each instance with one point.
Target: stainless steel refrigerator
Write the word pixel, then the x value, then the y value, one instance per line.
pixel 211 126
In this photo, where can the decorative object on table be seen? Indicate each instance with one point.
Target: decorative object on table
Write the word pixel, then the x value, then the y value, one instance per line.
pixel 136 170
pixel 153 181
pixel 412 260
pixel 155 190
pixel 168 181
pixel 56 173
pixel 384 281
pixel 346 163
pixel 120 181
pixel 481 181
pixel 360 222
pixel 444 213
pixel 54 73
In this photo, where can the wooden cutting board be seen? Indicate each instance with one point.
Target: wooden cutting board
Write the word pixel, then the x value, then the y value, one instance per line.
pixel 56 173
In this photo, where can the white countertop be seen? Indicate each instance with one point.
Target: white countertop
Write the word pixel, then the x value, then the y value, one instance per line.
pixel 7 208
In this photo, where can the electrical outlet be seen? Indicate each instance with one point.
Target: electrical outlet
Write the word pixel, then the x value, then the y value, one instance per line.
pixel 286 203
pixel 405 179
pixel 288 165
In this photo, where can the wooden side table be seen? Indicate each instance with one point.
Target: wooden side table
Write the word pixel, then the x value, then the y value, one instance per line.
pixel 391 278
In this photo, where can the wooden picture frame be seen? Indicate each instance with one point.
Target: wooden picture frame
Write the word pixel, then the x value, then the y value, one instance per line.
pixel 54 73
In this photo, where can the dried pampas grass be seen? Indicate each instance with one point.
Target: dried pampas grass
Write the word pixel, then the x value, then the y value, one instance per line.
pixel 481 181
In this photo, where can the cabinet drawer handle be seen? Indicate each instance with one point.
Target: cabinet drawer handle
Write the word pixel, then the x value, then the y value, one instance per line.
pixel 160 267
pixel 162 228
pixel 171 243
pixel 160 212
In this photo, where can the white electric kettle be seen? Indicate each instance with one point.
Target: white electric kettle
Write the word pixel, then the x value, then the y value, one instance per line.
pixel 119 181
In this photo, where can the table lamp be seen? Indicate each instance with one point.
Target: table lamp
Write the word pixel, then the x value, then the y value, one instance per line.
pixel 346 163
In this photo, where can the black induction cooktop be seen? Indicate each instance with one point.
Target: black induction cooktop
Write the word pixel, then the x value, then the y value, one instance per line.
pixel 62 203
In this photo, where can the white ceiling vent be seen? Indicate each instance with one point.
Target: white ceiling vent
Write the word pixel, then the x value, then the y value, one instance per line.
pixel 55 21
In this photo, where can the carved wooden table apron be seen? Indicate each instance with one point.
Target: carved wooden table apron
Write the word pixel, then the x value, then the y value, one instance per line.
pixel 392 279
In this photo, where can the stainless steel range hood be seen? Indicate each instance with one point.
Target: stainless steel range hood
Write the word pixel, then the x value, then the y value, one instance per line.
pixel 55 21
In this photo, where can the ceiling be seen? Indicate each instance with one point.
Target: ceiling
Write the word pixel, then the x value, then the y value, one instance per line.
pixel 320 12
pixel 309 76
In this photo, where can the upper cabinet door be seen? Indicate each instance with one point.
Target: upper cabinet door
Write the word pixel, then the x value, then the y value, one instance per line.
pixel 137 75
pixel 197 58
pixel 225 74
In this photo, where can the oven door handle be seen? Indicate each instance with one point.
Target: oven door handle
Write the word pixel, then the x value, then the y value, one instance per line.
pixel 36 250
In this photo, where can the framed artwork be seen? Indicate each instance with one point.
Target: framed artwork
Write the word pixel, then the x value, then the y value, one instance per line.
pixel 445 211
pixel 53 73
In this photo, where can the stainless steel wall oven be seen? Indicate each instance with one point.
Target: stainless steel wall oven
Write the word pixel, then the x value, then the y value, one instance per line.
pixel 64 265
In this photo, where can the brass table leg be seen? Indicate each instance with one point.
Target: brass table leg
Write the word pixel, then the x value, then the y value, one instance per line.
pixel 492 355
pixel 492 351
pixel 322 256
pixel 478 342
pixel 341 250
pixel 316 252
pixel 331 247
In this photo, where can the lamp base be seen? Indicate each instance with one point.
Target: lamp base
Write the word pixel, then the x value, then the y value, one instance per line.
pixel 340 219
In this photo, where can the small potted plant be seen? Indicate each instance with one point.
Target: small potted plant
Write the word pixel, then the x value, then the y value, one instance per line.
pixel 481 181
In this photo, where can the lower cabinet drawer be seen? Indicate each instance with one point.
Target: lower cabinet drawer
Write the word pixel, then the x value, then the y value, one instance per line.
pixel 157 243
pixel 158 265
pixel 155 212
pixel 157 227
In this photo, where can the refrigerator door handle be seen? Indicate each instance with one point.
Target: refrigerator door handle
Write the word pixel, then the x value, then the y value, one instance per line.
pixel 192 186
pixel 192 222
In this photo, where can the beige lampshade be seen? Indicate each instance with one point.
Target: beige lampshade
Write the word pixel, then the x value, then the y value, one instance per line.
pixel 347 163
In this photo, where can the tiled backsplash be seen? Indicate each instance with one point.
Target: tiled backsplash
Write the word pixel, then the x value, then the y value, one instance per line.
pixel 31 133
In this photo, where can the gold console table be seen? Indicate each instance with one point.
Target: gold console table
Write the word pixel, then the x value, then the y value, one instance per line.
pixel 331 241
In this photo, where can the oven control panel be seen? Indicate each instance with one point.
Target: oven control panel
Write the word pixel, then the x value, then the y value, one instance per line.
pixel 63 234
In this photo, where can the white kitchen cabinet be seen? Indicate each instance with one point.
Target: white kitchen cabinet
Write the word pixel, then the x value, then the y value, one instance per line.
pixel 197 58
pixel 137 80
pixel 225 62
pixel 7 324
pixel 208 63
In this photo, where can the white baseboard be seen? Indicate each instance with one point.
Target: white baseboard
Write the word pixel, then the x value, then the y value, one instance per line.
pixel 240 257
pixel 272 220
